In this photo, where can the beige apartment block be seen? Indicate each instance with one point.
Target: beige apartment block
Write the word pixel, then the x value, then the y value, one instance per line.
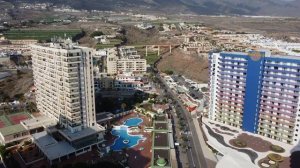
pixel 125 60
pixel 63 76
pixel 111 61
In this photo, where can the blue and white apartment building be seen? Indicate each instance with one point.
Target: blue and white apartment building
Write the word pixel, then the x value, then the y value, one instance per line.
pixel 257 92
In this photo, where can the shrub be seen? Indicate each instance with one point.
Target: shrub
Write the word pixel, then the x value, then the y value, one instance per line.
pixel 169 72
pixel 27 143
pixel 276 148
pixel 96 33
pixel 239 143
pixel 275 157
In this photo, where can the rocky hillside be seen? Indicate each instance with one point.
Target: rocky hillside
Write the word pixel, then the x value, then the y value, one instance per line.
pixel 191 66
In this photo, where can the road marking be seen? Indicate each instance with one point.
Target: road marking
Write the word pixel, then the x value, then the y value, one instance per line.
pixel 192 158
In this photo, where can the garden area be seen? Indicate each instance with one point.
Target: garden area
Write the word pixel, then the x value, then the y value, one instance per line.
pixel 274 160
pixel 264 153
pixel 256 143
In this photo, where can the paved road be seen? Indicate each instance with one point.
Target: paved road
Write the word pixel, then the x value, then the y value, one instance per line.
pixel 195 153
pixel 192 92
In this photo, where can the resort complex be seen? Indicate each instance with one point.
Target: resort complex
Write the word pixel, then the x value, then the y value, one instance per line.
pixel 129 84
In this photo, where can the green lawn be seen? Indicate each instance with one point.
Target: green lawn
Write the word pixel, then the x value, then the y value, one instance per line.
pixel 151 57
pixel 102 46
pixel 113 43
pixel 16 34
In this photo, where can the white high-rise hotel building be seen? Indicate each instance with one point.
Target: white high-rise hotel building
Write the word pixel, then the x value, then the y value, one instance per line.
pixel 64 80
pixel 63 76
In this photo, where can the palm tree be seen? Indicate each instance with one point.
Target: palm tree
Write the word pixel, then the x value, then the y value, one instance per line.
pixel 123 106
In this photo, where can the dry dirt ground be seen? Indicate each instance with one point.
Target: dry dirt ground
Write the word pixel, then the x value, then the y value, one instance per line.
pixel 189 65
pixel 16 84
pixel 136 36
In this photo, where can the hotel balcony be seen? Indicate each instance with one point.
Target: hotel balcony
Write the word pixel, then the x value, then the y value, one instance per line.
pixel 262 127
pixel 279 136
pixel 290 119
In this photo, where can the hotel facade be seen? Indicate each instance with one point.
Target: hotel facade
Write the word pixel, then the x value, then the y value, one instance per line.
pixel 256 92
pixel 64 80
pixel 63 76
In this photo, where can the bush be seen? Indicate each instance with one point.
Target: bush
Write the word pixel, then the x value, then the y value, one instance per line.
pixel 169 72
pixel 276 148
pixel 275 157
pixel 239 143
pixel 96 33
pixel 3 151
pixel 11 144
pixel 204 89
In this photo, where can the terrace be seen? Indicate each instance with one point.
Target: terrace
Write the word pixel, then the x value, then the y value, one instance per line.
pixel 161 118
pixel 161 140
pixel 10 128
pixel 244 149
pixel 161 126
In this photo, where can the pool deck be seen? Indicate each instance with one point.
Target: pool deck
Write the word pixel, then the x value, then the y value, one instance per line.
pixel 257 146
pixel 137 158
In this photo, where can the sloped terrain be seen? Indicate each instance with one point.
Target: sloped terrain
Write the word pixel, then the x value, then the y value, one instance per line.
pixel 16 84
pixel 191 66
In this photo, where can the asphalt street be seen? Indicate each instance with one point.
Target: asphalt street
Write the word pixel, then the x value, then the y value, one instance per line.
pixel 195 153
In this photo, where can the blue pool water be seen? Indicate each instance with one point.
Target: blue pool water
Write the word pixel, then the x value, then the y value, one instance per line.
pixel 122 133
pixel 133 122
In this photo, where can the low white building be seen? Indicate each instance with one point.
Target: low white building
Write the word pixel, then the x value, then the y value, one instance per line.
pixel 145 26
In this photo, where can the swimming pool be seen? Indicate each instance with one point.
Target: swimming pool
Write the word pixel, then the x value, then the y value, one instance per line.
pixel 124 139
pixel 133 122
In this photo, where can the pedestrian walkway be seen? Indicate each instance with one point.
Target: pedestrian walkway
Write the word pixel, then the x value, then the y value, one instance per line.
pixel 208 154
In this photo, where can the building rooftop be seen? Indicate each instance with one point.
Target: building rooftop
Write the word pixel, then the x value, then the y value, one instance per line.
pixel 161 126
pixel 12 129
pixel 103 117
pixel 81 134
pixel 270 56
pixel 41 121
pixel 161 140
pixel 50 147
pixel 161 118
pixel 10 124
pixel 66 44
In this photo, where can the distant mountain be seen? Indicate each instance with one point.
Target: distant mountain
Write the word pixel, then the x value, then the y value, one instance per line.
pixel 209 7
